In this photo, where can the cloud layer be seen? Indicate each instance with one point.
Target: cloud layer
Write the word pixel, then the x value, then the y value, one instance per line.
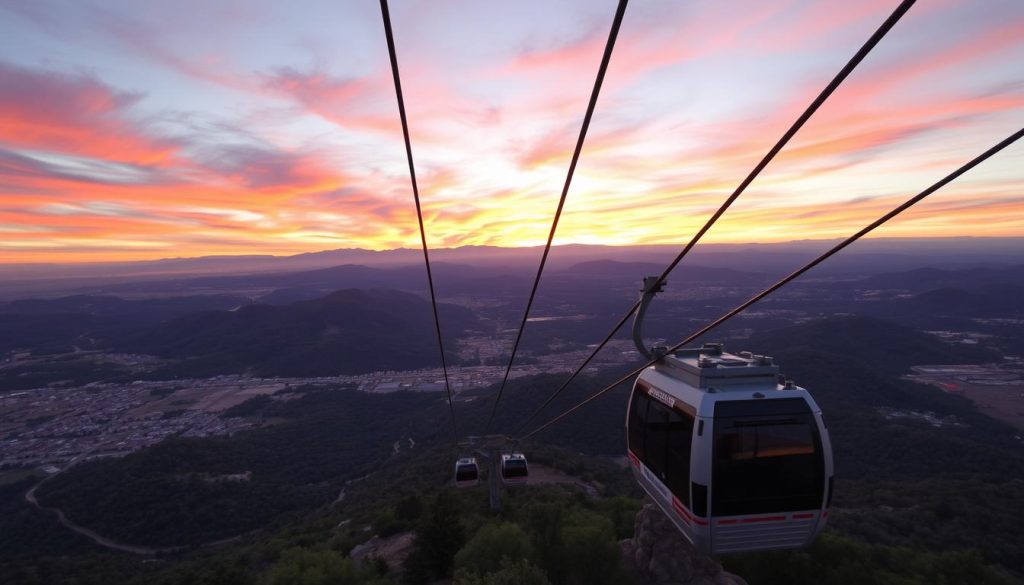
pixel 134 132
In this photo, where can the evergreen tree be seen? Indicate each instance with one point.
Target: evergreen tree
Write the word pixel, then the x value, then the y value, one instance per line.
pixel 491 546
pixel 439 537
pixel 510 573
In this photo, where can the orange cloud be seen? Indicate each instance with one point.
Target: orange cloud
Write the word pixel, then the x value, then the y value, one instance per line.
pixel 303 158
pixel 345 102
pixel 74 114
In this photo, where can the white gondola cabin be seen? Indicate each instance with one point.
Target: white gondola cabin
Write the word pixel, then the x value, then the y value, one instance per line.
pixel 514 469
pixel 467 472
pixel 735 459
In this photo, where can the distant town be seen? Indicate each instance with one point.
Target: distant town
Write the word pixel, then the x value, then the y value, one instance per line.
pixel 53 427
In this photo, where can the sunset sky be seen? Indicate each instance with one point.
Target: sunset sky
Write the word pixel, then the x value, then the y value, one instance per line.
pixel 144 130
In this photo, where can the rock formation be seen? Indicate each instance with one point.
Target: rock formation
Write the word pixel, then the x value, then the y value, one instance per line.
pixel 393 550
pixel 660 555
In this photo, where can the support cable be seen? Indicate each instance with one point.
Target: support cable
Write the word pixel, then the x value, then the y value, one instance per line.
pixel 834 250
pixel 386 15
pixel 609 46
pixel 811 109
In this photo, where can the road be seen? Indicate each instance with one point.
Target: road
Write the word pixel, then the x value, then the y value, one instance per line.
pixel 30 497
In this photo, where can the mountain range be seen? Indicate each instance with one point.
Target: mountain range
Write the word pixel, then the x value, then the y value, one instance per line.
pixel 870 255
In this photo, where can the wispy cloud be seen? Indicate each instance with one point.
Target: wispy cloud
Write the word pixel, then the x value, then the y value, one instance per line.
pixel 74 114
pixel 136 131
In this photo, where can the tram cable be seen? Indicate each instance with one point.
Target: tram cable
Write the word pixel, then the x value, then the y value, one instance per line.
pixel 386 15
pixel 845 72
pixel 794 275
pixel 599 80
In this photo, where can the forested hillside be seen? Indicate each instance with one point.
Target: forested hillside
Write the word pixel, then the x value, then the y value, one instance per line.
pixel 332 467
pixel 348 331
pixel 182 491
pixel 66 341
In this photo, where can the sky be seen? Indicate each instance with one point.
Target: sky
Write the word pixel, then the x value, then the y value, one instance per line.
pixel 143 130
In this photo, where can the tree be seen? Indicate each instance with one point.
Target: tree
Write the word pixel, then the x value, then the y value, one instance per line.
pixel 439 537
pixel 409 508
pixel 511 573
pixel 493 544
pixel 591 552
pixel 298 566
pixel 622 512
pixel 545 521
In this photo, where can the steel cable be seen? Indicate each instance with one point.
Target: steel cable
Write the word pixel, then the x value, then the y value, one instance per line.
pixel 834 250
pixel 605 59
pixel 870 44
pixel 386 15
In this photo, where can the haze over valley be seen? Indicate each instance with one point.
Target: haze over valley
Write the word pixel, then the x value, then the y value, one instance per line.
pixel 122 368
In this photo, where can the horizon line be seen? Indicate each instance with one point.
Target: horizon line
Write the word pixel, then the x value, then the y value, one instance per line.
pixel 494 247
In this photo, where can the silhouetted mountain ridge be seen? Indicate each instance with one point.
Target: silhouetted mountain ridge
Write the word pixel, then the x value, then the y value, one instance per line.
pixel 347 332
pixel 638 270
pixel 887 347
pixel 88 321
pixel 924 279
pixel 156 308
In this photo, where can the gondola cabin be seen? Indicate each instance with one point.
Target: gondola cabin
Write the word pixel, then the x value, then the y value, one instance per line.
pixel 738 461
pixel 514 469
pixel 467 472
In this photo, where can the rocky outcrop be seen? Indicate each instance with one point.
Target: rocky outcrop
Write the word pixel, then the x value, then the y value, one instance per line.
pixel 660 555
pixel 393 550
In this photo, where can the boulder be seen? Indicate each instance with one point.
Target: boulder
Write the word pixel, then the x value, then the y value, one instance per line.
pixel 659 555
pixel 393 550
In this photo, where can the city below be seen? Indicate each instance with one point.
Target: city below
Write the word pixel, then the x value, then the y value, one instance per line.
pixel 54 427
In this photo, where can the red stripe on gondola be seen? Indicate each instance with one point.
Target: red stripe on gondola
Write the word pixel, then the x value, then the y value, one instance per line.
pixel 825 514
pixel 686 514
pixel 720 522
pixel 633 459
pixel 802 516
pixel 678 507
pixel 763 519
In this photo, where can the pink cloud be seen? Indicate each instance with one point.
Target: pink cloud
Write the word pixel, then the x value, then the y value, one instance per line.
pixel 348 102
pixel 74 114
pixel 910 68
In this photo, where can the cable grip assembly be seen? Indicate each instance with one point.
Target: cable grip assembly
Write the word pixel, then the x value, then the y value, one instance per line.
pixel 652 286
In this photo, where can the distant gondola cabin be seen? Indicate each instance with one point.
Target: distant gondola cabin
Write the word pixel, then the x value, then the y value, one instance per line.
pixel 467 472
pixel 514 469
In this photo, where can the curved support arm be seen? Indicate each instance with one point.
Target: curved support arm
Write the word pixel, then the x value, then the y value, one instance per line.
pixel 651 287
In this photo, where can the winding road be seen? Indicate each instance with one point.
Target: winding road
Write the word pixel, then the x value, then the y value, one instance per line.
pixel 30 497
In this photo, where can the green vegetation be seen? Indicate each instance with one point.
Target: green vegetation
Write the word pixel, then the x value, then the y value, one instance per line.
pixel 160 496
pixel 546 534
pixel 347 332
pixel 298 566
pixel 936 515
pixel 26 532
pixel 17 474
pixel 553 535
pixel 493 544
pixel 438 539
pixel 914 504
pixel 64 373
pixel 844 561
pixel 509 573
